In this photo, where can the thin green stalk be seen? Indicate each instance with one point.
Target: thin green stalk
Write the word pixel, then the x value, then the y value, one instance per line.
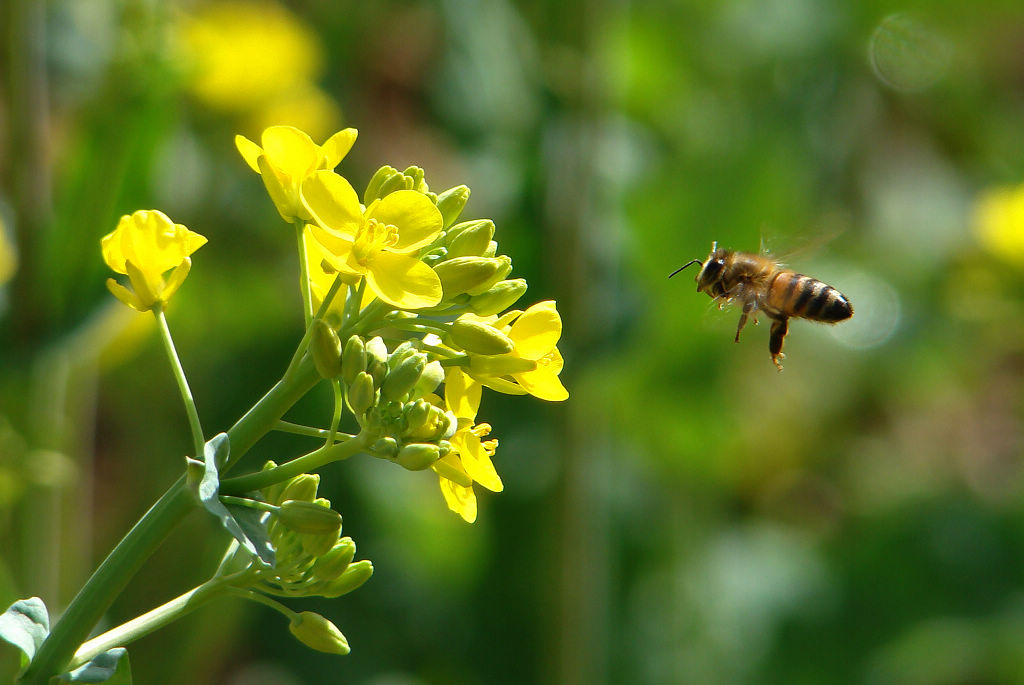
pixel 107 582
pixel 304 464
pixel 308 431
pixel 179 375
pixel 167 613
pixel 307 297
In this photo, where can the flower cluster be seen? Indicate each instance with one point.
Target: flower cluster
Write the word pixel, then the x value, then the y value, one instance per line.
pixel 440 291
pixel 409 301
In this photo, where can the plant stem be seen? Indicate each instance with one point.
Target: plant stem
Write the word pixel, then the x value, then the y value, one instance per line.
pixel 143 625
pixel 124 561
pixel 307 297
pixel 106 583
pixel 179 376
pixel 304 464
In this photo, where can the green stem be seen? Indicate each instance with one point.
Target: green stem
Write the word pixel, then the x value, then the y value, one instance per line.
pixel 307 297
pixel 106 583
pixel 124 561
pixel 292 616
pixel 143 625
pixel 308 431
pixel 304 464
pixel 179 376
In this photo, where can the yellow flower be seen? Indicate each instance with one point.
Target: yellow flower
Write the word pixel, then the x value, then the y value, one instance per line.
pixel 245 54
pixel 321 279
pixel 380 243
pixel 144 246
pixel 533 366
pixel 469 461
pixel 287 158
pixel 999 222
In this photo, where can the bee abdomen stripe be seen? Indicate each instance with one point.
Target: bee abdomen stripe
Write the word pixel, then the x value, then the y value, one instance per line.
pixel 809 288
pixel 820 300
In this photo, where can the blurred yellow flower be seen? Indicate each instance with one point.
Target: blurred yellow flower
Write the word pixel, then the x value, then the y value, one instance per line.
pixel 8 256
pixel 287 158
pixel 244 54
pixel 144 246
pixel 999 222
pixel 380 243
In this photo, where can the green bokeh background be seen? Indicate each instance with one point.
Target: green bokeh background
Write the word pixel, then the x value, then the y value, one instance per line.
pixel 689 515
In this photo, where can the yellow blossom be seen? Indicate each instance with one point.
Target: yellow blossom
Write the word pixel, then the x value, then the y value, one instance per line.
pixel 144 246
pixel 287 158
pixel 244 54
pixel 999 222
pixel 469 461
pixel 535 363
pixel 380 243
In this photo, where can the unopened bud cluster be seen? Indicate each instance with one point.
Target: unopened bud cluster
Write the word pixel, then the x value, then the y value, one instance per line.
pixel 390 395
pixel 312 557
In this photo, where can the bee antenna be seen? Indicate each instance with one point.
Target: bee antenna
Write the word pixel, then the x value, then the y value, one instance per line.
pixel 692 261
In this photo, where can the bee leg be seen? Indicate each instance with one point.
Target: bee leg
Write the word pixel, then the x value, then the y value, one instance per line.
pixel 747 308
pixel 780 327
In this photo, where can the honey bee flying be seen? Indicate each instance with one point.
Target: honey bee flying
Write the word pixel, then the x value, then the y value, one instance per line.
pixel 760 283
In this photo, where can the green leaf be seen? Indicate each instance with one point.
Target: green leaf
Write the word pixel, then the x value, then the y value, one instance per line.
pixel 243 524
pixel 25 625
pixel 111 667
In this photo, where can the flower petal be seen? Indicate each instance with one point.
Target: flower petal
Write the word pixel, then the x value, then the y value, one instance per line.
pixel 332 202
pixel 417 218
pixel 291 153
pixel 459 499
pixel 403 281
pixel 537 330
pixel 250 152
pixel 543 383
pixel 476 462
pixel 336 147
pixel 461 393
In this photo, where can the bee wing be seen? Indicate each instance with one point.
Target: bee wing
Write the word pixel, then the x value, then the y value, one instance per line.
pixel 804 244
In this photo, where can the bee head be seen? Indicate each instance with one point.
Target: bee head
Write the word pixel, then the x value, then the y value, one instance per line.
pixel 710 268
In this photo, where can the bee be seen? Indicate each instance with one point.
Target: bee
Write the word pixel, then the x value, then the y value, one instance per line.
pixel 761 283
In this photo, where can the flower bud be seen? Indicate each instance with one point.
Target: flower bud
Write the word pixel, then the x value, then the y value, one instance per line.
pixel 477 337
pixel 500 365
pixel 332 564
pixel 462 274
pixel 377 359
pixel 394 183
pixel 353 358
pixel 504 269
pixel 302 487
pixel 326 349
pixel 451 203
pixel 417 456
pixel 272 493
pixel 378 179
pixel 417 413
pixel 308 517
pixel 313 630
pixel 385 448
pixel 400 354
pixel 433 374
pixel 418 182
pixel 404 377
pixel 361 393
pixel 355 575
pixel 492 249
pixel 498 298
pixel 472 240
